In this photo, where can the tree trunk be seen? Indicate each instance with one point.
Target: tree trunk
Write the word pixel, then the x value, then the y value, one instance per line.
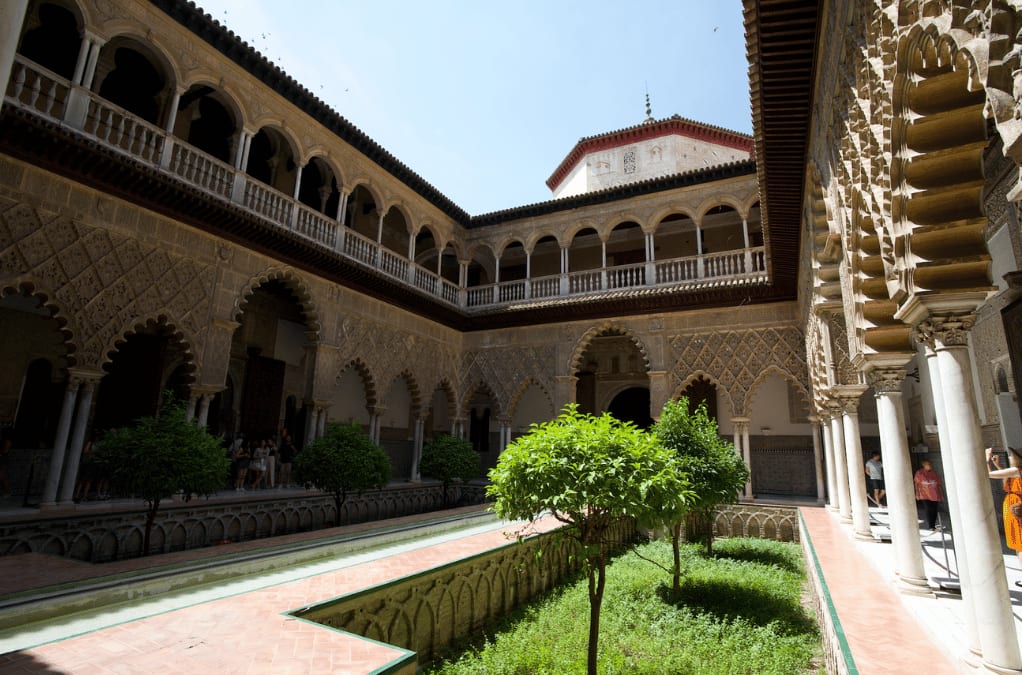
pixel 597 580
pixel 150 518
pixel 338 500
pixel 676 550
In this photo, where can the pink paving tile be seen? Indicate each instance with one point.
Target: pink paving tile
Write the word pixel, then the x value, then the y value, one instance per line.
pixel 882 635
pixel 248 633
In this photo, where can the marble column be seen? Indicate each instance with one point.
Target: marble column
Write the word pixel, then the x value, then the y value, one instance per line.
pixel 951 489
pixel 830 460
pixel 849 397
pixel 74 452
pixel 12 16
pixel 203 413
pixel 321 417
pixel 310 422
pixel 901 506
pixel 417 444
pixel 741 436
pixel 978 539
pixel 837 435
pixel 67 410
pixel 814 424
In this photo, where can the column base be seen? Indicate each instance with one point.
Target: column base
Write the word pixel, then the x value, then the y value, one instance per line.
pixel 985 667
pixel 846 520
pixel 864 536
pixel 915 586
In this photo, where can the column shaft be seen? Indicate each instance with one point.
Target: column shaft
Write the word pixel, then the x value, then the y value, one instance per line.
pixel 856 471
pixel 60 442
pixel 844 501
pixel 74 454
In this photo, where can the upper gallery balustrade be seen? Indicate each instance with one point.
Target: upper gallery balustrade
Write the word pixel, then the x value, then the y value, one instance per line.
pixel 199 145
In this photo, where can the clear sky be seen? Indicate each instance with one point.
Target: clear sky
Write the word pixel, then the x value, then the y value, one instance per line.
pixel 484 99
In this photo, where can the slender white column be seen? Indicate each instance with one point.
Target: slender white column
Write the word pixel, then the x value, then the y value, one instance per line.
pixel 979 538
pixel 901 505
pixel 837 434
pixel 74 454
pixel 95 45
pixel 204 401
pixel 83 54
pixel 321 422
pixel 829 459
pixel 814 424
pixel 417 444
pixel 190 407
pixel 747 455
pixel 298 182
pixel 12 16
pixel 49 497
pixel 856 467
pixel 310 423
pixel 951 489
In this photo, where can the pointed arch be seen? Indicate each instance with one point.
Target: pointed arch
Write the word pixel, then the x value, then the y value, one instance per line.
pixel 293 281
pixel 31 288
pixel 695 375
pixel 527 383
pixel 773 369
pixel 359 367
pixel 606 328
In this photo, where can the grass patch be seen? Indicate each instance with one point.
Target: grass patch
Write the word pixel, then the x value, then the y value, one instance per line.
pixel 740 611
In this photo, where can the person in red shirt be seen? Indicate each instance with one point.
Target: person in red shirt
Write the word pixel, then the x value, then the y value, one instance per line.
pixel 928 492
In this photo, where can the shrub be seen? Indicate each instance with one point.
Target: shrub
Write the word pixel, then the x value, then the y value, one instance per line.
pixel 448 458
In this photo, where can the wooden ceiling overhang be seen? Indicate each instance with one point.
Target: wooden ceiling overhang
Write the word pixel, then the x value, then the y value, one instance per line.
pixel 781 39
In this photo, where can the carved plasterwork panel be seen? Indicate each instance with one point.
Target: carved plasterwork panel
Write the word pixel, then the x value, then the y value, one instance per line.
pixel 387 352
pixel 737 359
pixel 505 369
pixel 106 281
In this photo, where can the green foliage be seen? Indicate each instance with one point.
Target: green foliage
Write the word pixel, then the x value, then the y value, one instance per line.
pixel 343 460
pixel 715 469
pixel 588 472
pixel 584 469
pixel 447 458
pixel 161 456
pixel 742 613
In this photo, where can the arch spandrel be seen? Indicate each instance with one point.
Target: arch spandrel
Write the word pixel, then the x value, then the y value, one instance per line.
pixel 736 358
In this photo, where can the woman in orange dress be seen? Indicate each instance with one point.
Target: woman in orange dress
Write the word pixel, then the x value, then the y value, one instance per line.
pixel 1012 477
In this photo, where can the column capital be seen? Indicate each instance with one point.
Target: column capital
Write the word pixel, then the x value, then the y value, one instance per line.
pixel 85 375
pixel 887 380
pixel 949 330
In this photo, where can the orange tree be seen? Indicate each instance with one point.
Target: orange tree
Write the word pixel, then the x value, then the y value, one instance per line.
pixel 343 460
pixel 715 469
pixel 161 456
pixel 587 472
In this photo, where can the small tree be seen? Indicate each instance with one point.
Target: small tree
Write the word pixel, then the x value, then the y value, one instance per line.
pixel 714 467
pixel 161 456
pixel 587 472
pixel 447 458
pixel 343 460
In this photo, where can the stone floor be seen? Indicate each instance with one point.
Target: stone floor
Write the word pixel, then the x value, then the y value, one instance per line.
pixel 247 629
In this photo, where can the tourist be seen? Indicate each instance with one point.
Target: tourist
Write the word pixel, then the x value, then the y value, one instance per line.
pixel 1011 507
pixel 875 474
pixel 242 457
pixel 257 465
pixel 928 492
pixel 285 455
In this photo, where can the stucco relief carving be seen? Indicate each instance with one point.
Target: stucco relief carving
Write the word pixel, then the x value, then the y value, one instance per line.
pixel 104 280
pixel 738 358
pixel 386 352
pixel 844 371
pixel 504 369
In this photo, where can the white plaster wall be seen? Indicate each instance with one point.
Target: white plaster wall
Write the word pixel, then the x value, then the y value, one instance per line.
pixel 533 407
pixel 654 158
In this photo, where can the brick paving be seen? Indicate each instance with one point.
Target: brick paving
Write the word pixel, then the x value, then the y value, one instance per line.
pixel 252 632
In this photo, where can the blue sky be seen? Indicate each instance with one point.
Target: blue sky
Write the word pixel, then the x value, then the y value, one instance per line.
pixel 484 99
